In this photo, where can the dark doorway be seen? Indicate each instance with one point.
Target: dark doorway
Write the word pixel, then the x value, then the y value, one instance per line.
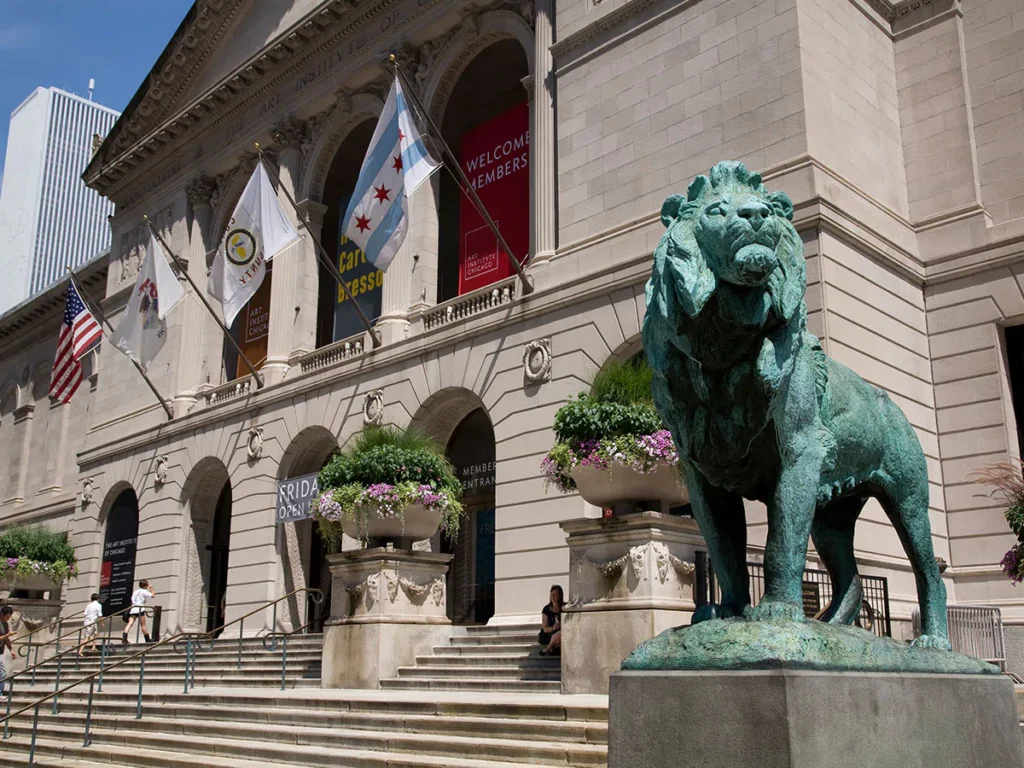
pixel 1015 366
pixel 117 569
pixel 471 575
pixel 219 550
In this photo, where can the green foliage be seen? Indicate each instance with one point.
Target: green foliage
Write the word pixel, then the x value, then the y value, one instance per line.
pixel 627 382
pixel 390 455
pixel 39 544
pixel 588 419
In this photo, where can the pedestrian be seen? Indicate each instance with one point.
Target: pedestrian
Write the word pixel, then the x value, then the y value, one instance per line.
pixel 137 613
pixel 6 635
pixel 93 614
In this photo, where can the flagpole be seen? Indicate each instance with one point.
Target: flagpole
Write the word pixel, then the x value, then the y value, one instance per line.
pixel 324 257
pixel 95 308
pixel 199 293
pixel 455 168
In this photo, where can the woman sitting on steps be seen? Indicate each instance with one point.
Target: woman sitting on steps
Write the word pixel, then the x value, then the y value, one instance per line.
pixel 550 635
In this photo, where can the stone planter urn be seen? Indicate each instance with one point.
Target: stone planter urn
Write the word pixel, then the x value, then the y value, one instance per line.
pixel 416 523
pixel 621 487
pixel 37 582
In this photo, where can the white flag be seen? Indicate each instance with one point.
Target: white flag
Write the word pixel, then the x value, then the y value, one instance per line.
pixel 396 163
pixel 257 232
pixel 143 330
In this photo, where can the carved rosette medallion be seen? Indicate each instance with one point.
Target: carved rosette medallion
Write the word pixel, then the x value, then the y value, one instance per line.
pixel 254 449
pixel 373 407
pixel 537 361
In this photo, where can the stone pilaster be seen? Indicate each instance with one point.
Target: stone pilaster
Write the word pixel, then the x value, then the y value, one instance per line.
pixel 543 203
pixel 307 283
pixel 292 321
pixel 195 321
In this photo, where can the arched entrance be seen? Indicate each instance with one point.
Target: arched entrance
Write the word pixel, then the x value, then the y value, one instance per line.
pixel 336 317
pixel 303 550
pixel 207 496
pixel 120 537
pixel 471 576
pixel 486 124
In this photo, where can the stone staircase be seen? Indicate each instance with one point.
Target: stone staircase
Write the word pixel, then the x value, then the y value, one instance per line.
pixel 490 658
pixel 213 666
pixel 485 700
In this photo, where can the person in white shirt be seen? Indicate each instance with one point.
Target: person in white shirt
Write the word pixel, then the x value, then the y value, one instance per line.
pixel 6 635
pixel 137 613
pixel 93 614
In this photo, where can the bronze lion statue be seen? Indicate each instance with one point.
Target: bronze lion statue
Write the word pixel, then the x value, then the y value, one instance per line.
pixel 758 410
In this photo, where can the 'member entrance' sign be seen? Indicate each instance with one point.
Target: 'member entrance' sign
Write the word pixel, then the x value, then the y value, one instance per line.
pixel 495 158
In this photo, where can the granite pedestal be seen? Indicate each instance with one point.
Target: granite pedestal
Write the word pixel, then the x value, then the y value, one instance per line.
pixel 808 719
pixel 387 608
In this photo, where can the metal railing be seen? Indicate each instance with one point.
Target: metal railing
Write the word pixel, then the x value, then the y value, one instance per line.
pixel 874 613
pixel 977 630
pixel 193 643
pixel 25 649
pixel 273 637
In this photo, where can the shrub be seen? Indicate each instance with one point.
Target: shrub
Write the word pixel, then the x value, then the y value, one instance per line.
pixel 1007 484
pixel 382 472
pixel 26 551
pixel 614 422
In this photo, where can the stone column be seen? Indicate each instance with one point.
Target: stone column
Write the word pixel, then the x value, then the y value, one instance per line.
pixel 542 136
pixel 292 320
pixel 307 285
pixel 387 608
pixel 630 578
pixel 418 252
pixel 194 318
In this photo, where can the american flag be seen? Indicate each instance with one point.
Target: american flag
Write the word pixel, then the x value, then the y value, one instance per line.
pixel 78 334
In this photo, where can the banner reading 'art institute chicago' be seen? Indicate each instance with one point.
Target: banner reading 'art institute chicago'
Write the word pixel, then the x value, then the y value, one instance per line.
pixel 495 158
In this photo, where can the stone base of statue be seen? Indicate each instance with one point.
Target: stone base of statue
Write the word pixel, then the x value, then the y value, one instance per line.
pixel 630 578
pixel 387 608
pixel 789 718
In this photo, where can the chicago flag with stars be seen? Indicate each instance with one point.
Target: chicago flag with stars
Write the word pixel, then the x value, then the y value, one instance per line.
pixel 396 163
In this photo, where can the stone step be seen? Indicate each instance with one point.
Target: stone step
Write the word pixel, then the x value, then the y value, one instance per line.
pixel 503 629
pixel 308 746
pixel 178 662
pixel 517 638
pixel 261 740
pixel 49 754
pixel 480 649
pixel 263 704
pixel 105 713
pixel 294 678
pixel 462 683
pixel 511 672
pixel 517 661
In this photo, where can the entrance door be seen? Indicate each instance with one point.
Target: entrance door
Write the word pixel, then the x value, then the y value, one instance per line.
pixel 471 575
pixel 219 550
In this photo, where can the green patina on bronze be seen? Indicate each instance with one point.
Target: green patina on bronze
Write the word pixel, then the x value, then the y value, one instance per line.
pixel 759 411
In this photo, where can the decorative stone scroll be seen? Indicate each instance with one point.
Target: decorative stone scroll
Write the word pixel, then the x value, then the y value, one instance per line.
pixel 88 487
pixel 160 471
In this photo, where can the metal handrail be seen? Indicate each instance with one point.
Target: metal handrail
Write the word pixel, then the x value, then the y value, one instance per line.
pixel 193 642
pixel 316 596
pixel 59 655
pixel 272 636
pixel 25 649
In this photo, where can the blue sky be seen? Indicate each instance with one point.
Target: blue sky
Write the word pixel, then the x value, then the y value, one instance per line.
pixel 63 43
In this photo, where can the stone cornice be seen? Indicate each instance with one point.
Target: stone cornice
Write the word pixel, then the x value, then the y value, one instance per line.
pixel 315 41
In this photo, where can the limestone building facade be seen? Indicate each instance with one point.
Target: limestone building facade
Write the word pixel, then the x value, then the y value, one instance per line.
pixel 895 129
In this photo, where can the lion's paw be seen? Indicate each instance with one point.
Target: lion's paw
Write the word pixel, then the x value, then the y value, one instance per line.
pixel 776 610
pixel 937 642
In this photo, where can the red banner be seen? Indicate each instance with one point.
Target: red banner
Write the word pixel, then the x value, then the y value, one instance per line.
pixel 495 159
